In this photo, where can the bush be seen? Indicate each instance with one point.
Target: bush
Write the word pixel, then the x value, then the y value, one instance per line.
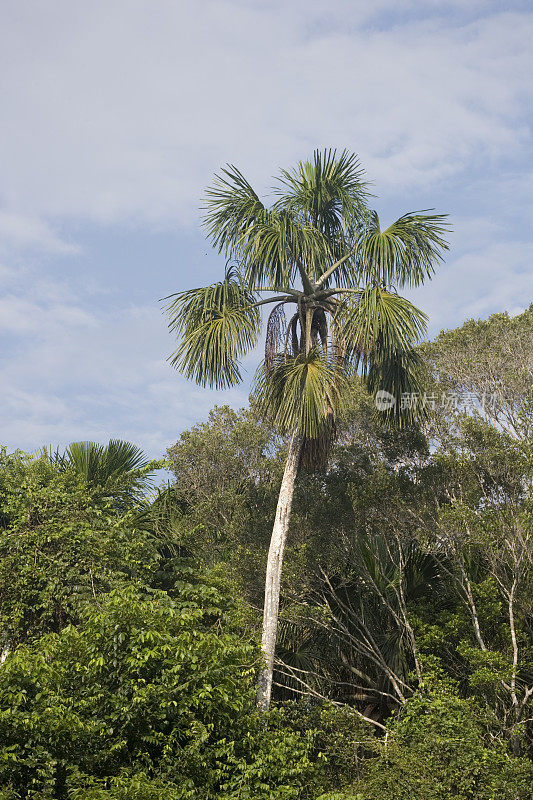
pixel 341 741
pixel 151 698
pixel 440 749
pixel 62 546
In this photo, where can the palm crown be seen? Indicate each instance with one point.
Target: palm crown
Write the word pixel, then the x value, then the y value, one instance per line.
pixel 319 256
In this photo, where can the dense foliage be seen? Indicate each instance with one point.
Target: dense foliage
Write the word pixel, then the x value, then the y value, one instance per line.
pixel 151 692
pixel 129 621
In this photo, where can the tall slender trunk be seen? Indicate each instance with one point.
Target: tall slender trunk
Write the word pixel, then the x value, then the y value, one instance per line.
pixel 273 571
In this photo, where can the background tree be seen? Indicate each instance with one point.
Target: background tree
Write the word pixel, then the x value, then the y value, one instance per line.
pixel 118 470
pixel 65 540
pixel 323 255
pixel 438 749
pixel 463 509
pixel 487 365
pixel 405 620
pixel 152 697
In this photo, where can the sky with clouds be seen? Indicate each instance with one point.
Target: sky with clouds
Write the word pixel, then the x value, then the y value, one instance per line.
pixel 116 114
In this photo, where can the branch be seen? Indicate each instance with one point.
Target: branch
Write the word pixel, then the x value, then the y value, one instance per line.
pixel 325 275
pixel 307 284
pixel 514 643
pixel 366 645
pixel 279 298
pixel 306 280
pixel 293 292
pixel 528 691
pixel 314 693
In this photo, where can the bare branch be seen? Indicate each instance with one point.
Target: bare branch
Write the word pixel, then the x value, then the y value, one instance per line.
pixel 333 267
pixel 280 298
pixel 310 691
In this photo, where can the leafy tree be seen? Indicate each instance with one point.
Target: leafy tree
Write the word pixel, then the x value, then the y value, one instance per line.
pixel 341 745
pixel 63 544
pixel 438 561
pixel 128 671
pixel 227 472
pixel 119 470
pixel 152 697
pixel 231 449
pixel 488 364
pixel 323 253
pixel 219 465
pixel 481 530
pixel 439 749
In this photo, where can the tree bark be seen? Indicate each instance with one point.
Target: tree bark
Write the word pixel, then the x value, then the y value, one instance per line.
pixel 273 571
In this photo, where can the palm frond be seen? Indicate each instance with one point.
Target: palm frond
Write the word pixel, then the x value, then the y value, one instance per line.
pixel 374 317
pixel 161 519
pixel 307 229
pixel 400 375
pixel 327 191
pixel 327 194
pixel 315 451
pixel 231 208
pixel 215 325
pixel 119 468
pixel 240 226
pixel 121 457
pixel 381 330
pixel 406 252
pixel 87 459
pixel 300 393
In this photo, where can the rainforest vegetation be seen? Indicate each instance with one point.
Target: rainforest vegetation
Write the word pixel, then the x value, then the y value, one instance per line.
pixel 131 613
pixel 331 597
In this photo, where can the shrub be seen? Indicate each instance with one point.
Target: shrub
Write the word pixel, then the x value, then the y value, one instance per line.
pixel 152 697
pixel 440 749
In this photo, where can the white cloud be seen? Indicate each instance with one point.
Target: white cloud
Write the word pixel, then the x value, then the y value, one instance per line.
pixel 20 315
pixel 482 281
pixel 78 375
pixel 19 232
pixel 120 114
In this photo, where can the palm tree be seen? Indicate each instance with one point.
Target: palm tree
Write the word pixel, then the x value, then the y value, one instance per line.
pixel 118 470
pixel 319 253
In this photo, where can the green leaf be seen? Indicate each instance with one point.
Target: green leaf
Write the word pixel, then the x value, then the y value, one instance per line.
pixel 302 392
pixel 406 252
pixel 400 374
pixel 307 229
pixel 215 326
pixel 374 317
pixel 329 191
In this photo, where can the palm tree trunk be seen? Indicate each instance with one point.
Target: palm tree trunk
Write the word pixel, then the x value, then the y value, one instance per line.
pixel 273 571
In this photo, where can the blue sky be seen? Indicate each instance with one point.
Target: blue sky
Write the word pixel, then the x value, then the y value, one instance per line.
pixel 115 117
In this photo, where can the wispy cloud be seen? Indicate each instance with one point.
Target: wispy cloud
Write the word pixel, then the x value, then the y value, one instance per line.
pixel 71 374
pixel 19 232
pixel 486 279
pixel 116 115
pixel 124 114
